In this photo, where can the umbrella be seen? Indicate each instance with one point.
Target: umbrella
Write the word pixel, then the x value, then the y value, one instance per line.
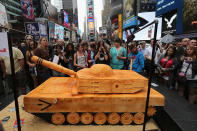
pixel 167 39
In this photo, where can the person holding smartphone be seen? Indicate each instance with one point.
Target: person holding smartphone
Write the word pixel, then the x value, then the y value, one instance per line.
pixel 117 55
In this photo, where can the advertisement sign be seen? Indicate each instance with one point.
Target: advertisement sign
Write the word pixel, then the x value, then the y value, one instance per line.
pixel 59 32
pixel 66 22
pixel 120 26
pixel 4 50
pixel 169 23
pixel 27 9
pixel 3 16
pixel 32 28
pixel 51 29
pixel 129 13
pixel 43 30
pixel 91 25
pixel 148 33
pixel 189 16
pixel 90 13
pixel 164 6
pixel 91 20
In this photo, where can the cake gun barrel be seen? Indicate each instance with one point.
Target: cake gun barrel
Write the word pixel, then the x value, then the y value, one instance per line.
pixel 52 66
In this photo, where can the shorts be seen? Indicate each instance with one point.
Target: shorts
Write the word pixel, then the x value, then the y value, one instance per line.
pixel 19 79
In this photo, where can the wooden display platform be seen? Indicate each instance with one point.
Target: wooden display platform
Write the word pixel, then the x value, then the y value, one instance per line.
pixel 56 95
pixel 32 123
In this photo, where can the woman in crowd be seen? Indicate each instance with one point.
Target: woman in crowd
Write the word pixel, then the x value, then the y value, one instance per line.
pixel 188 73
pixel 102 55
pixel 61 60
pixel 136 58
pixel 163 51
pixel 32 66
pixel 166 65
pixel 43 73
pixel 70 56
pixel 80 59
pixel 117 55
pixel 91 55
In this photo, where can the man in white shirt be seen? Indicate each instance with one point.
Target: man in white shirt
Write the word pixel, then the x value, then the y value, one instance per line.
pixel 148 52
pixel 148 56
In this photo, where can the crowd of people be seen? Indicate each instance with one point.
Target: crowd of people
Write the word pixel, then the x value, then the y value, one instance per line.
pixel 175 63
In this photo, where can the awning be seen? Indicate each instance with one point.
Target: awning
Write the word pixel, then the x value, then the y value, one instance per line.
pixel 14 2
pixel 190 35
pixel 11 13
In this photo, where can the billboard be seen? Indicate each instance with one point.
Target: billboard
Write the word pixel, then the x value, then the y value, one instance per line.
pixel 43 30
pixel 59 32
pixel 66 22
pixel 27 9
pixel 3 16
pixel 51 30
pixel 129 13
pixel 148 32
pixel 90 12
pixel 189 16
pixel 169 23
pixel 120 26
pixel 32 28
pixel 91 25
pixel 166 6
pixel 4 50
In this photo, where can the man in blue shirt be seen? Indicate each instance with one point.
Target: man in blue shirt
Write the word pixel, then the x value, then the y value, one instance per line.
pixel 137 58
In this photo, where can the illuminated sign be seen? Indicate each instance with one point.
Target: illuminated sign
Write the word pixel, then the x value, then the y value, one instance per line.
pixel 120 26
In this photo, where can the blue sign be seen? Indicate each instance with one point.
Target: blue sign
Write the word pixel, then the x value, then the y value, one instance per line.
pixel 91 20
pixel 165 6
pixel 33 29
pixel 129 22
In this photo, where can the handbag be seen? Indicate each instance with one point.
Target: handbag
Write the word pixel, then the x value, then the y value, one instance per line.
pixel 182 76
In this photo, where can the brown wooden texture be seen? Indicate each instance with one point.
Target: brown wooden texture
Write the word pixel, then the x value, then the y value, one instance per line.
pixel 113 118
pixel 86 118
pixel 34 123
pixel 58 118
pixel 56 93
pixel 100 118
pixel 151 111
pixel 120 81
pixel 126 118
pixel 73 118
pixel 100 78
pixel 131 64
pixel 138 118
pixel 53 66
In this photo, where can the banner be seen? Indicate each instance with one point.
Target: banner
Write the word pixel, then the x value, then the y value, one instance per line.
pixel 51 30
pixel 129 13
pixel 146 18
pixel 3 16
pixel 59 32
pixel 169 23
pixel 27 9
pixel 43 30
pixel 66 22
pixel 120 26
pixel 32 28
pixel 4 50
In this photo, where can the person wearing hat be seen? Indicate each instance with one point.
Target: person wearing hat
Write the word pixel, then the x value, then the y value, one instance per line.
pixel 118 55
pixel 136 57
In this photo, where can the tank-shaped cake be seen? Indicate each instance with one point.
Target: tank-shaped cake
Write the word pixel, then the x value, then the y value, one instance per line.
pixel 96 95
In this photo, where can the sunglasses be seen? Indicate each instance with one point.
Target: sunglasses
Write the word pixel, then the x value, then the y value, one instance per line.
pixel 28 39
